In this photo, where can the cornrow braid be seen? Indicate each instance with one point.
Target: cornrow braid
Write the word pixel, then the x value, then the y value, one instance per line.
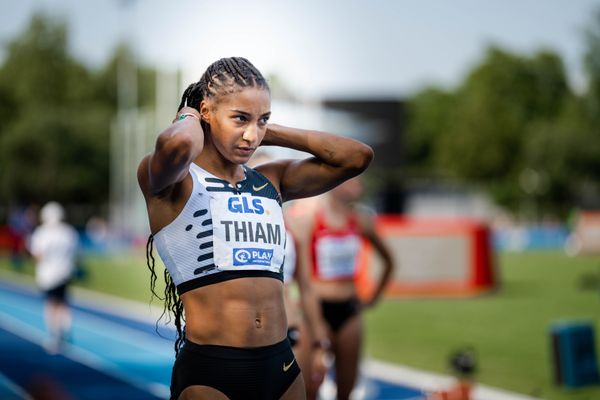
pixel 221 76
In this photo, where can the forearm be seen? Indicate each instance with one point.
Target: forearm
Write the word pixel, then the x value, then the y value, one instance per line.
pixel 367 228
pixel 333 150
pixel 383 281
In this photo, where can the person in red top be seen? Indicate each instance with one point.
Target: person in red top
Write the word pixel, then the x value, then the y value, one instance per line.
pixel 332 238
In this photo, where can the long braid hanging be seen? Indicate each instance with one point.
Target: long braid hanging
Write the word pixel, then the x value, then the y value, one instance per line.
pixel 221 74
pixel 150 262
pixel 172 302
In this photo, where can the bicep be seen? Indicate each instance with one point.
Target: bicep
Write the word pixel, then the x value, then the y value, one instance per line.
pixel 154 178
pixel 309 177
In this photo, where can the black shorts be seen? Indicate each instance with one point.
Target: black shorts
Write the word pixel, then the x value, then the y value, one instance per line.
pixel 337 313
pixel 57 293
pixel 260 373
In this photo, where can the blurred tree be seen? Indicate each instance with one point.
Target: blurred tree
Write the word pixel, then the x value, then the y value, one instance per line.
pixel 55 147
pixel 566 156
pixel 36 66
pixel 55 118
pixel 493 108
pixel 428 113
pixel 565 150
pixel 106 83
pixel 478 133
pixel 592 66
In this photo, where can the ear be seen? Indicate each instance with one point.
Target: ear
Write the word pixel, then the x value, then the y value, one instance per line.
pixel 205 112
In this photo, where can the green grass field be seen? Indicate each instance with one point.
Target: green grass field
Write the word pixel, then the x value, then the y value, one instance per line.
pixel 509 329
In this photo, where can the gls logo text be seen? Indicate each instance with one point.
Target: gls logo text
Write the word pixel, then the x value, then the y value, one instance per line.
pixel 243 205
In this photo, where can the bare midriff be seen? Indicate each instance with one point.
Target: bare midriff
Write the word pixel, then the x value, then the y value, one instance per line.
pixel 245 312
pixel 335 290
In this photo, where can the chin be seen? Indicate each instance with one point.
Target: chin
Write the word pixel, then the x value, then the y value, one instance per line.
pixel 239 160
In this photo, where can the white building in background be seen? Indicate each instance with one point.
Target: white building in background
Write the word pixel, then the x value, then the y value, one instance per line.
pixel 450 203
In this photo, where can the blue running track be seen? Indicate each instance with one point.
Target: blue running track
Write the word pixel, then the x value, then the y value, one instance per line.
pixel 108 356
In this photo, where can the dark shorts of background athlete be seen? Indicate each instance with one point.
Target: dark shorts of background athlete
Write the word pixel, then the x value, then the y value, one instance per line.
pixel 57 293
pixel 257 373
pixel 337 313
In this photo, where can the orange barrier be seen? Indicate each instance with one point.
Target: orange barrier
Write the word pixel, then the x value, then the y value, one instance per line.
pixel 434 257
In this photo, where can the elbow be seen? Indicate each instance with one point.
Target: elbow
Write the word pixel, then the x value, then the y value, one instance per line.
pixel 362 157
pixel 367 156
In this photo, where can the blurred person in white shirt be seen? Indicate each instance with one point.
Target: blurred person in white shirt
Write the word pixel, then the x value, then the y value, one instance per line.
pixel 54 246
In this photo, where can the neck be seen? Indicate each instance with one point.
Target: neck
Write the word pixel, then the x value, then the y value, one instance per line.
pixel 220 167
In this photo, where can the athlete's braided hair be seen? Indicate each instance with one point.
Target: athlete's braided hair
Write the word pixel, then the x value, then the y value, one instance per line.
pixel 172 302
pixel 221 77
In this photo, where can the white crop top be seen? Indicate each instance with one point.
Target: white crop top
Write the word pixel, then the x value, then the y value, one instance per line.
pixel 224 232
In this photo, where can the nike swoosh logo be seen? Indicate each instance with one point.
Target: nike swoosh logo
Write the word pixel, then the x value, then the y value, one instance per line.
pixel 258 189
pixel 286 367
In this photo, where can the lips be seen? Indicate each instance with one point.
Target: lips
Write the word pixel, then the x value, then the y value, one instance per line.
pixel 245 151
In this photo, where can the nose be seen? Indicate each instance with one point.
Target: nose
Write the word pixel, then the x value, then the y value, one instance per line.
pixel 250 133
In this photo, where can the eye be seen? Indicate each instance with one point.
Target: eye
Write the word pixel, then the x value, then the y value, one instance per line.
pixel 240 118
pixel 264 120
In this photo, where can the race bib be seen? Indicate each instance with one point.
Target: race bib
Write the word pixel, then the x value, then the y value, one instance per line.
pixel 336 256
pixel 248 232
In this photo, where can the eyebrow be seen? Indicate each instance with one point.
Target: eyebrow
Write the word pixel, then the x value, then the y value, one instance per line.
pixel 267 114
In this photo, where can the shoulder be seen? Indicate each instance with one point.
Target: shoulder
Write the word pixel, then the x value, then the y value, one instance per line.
pixel 364 217
pixel 262 185
pixel 273 171
pixel 255 174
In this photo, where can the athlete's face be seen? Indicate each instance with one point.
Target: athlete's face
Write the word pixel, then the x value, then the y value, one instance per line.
pixel 238 122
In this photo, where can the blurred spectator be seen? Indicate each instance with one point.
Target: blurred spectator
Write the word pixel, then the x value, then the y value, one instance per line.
pixel 54 245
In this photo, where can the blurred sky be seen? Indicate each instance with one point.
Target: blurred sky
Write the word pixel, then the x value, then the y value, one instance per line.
pixel 320 48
